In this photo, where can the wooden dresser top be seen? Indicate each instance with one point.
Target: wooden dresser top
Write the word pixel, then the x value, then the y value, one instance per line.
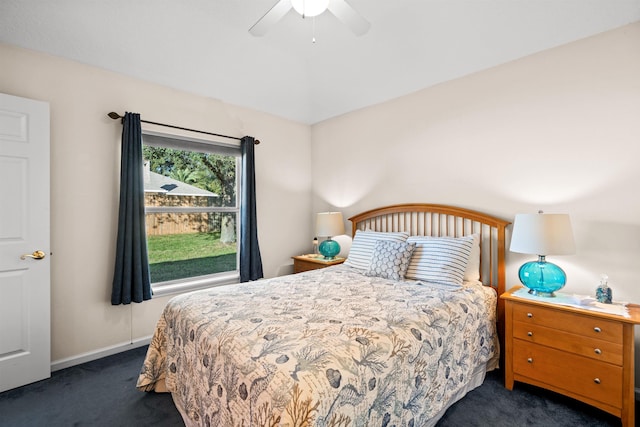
pixel 634 309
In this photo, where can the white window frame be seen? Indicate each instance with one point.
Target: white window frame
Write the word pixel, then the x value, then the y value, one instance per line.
pixel 158 139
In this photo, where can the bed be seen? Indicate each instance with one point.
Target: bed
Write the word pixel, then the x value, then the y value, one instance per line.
pixel 394 336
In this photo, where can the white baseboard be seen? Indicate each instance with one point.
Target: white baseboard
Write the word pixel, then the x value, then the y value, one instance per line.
pixel 68 362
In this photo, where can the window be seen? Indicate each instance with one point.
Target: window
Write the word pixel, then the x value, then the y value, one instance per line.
pixel 192 212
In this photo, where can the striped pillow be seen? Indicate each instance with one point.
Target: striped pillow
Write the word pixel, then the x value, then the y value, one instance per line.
pixel 440 260
pixel 363 246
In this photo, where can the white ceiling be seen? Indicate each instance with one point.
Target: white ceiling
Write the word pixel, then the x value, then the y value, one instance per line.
pixel 203 46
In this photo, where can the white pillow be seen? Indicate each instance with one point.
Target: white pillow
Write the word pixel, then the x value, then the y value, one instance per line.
pixel 363 246
pixel 472 273
pixel 440 259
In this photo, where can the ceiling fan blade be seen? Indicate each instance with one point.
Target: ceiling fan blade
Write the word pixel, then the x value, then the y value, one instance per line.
pixel 352 19
pixel 274 14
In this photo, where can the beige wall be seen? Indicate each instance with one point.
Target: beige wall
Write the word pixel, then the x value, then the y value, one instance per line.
pixel 558 131
pixel 84 187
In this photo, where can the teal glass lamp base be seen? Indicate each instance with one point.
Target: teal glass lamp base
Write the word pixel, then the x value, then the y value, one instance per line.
pixel 329 248
pixel 542 278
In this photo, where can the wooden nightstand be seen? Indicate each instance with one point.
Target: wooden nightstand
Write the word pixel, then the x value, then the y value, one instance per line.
pixel 309 262
pixel 580 353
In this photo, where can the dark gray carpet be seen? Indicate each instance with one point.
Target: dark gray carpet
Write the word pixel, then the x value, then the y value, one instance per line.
pixel 103 393
pixel 98 393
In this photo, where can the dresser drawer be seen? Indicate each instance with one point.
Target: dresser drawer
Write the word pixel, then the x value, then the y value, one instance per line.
pixel 586 326
pixel 301 266
pixel 303 263
pixel 596 380
pixel 597 349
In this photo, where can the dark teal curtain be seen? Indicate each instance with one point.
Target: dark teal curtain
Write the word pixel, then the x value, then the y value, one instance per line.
pixel 250 260
pixel 131 279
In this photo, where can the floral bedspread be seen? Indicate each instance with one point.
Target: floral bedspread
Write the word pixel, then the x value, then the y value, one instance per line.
pixel 328 347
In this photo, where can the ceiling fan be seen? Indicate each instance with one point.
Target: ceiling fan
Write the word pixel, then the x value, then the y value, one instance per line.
pixel 310 8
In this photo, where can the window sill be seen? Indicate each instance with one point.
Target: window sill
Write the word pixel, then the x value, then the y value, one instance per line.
pixel 188 285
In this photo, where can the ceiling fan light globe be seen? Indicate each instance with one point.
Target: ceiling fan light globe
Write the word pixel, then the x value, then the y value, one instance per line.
pixel 308 8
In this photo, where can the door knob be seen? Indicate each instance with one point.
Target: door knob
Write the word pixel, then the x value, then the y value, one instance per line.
pixel 34 255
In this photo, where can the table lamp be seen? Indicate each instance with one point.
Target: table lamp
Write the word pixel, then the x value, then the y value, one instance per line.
pixel 542 234
pixel 329 224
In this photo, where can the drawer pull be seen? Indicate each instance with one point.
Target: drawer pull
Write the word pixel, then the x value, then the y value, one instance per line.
pixel 529 314
pixel 598 351
pixel 596 380
pixel 597 329
pixel 530 360
pixel 530 334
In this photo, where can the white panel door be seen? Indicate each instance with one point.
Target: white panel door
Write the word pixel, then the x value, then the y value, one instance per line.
pixel 25 342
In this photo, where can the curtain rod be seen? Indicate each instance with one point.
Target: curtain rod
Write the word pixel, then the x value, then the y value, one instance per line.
pixel 116 116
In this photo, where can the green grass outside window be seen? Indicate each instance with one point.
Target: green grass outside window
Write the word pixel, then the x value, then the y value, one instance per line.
pixel 178 256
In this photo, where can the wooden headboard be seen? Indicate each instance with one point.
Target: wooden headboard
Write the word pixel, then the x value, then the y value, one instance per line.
pixel 420 219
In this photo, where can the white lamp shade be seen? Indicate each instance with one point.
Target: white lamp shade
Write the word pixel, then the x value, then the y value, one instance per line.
pixel 542 234
pixel 310 7
pixel 329 224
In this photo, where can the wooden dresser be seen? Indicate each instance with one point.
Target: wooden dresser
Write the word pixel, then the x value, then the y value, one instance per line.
pixel 579 353
pixel 309 262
